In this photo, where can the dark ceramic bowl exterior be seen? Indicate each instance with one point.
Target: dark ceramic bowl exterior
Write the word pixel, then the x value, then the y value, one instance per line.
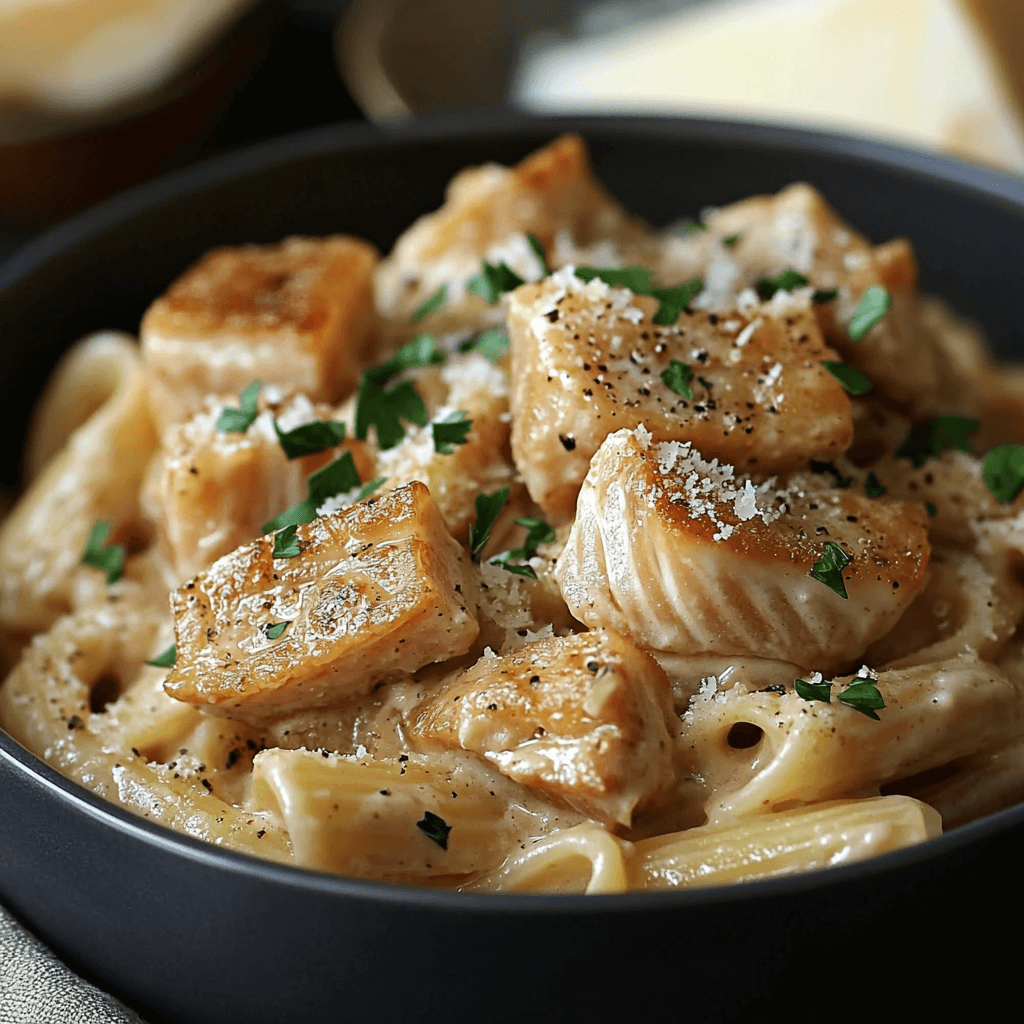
pixel 190 934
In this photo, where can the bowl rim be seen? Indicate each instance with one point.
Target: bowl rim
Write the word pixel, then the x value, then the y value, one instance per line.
pixel 939 170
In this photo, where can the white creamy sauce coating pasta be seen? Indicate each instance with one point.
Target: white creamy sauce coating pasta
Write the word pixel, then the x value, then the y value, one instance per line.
pixel 610 582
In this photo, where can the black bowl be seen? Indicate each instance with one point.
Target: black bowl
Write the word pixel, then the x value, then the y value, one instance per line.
pixel 189 933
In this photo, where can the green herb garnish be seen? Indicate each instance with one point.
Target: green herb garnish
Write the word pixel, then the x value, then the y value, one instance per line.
pixel 310 438
pixel 677 377
pixel 674 300
pixel 165 659
pixel 730 240
pixel 286 544
pixel 863 696
pixel 491 343
pixel 493 281
pixel 238 421
pixel 1003 472
pixel 785 282
pixel 829 568
pixel 275 629
pixel 450 431
pixel 814 691
pixel 434 303
pixel 824 295
pixel 517 568
pixel 934 436
pixel 101 556
pixel 335 478
pixel 537 532
pixel 434 828
pixel 873 305
pixel 488 507
pixel 849 376
pixel 368 488
pixel 538 251
pixel 637 279
pixel 873 487
pixel 690 230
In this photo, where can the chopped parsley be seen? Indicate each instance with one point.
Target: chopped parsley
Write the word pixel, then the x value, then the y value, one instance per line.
pixel 450 431
pixel 730 240
pixel 493 281
pixel 384 408
pixel 275 629
pixel 677 377
pixel 1003 472
pixel 488 507
pixel 335 478
pixel 368 488
pixel 849 376
pixel 829 568
pixel 690 230
pixel 863 695
pixel 491 343
pixel 814 691
pixel 637 279
pixel 674 300
pixel 860 694
pixel 934 436
pixel 286 544
pixel 310 438
pixel 537 532
pixel 165 659
pixel 434 303
pixel 817 466
pixel 824 295
pixel 101 556
pixel 538 251
pixel 785 282
pixel 873 487
pixel 873 305
pixel 238 421
pixel 640 281
pixel 930 508
pixel 434 828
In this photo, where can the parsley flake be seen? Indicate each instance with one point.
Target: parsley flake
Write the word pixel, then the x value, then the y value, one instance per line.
pixel 863 696
pixel 537 532
pixel 677 377
pixel 488 507
pixel 694 229
pixel 286 544
pixel 492 343
pixel 310 438
pixel 637 279
pixel 434 828
pixel 824 295
pixel 829 568
pixel 849 376
pixel 275 629
pixel 297 515
pixel 166 658
pixel 493 281
pixel 814 691
pixel 434 303
pixel 873 487
pixel 1003 472
pixel 368 488
pixel 674 300
pixel 730 240
pixel 785 282
pixel 930 508
pixel 450 431
pixel 383 408
pixel 934 436
pixel 335 478
pixel 873 305
pixel 238 421
pixel 101 556
pixel 517 568
pixel 538 251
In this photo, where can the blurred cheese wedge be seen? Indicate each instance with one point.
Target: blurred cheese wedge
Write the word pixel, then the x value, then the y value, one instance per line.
pixel 81 56
pixel 918 71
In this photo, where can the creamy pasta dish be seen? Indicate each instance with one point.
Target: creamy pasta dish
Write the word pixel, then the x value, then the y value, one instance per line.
pixel 551 552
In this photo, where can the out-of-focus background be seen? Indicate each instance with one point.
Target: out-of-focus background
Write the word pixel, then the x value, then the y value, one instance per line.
pixel 96 95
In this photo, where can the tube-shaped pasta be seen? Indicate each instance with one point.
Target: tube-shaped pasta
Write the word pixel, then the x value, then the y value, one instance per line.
pixel 95 477
pixel 806 839
pixel 808 751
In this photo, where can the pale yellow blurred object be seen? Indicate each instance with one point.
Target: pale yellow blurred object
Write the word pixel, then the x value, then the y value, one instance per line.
pixel 931 73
